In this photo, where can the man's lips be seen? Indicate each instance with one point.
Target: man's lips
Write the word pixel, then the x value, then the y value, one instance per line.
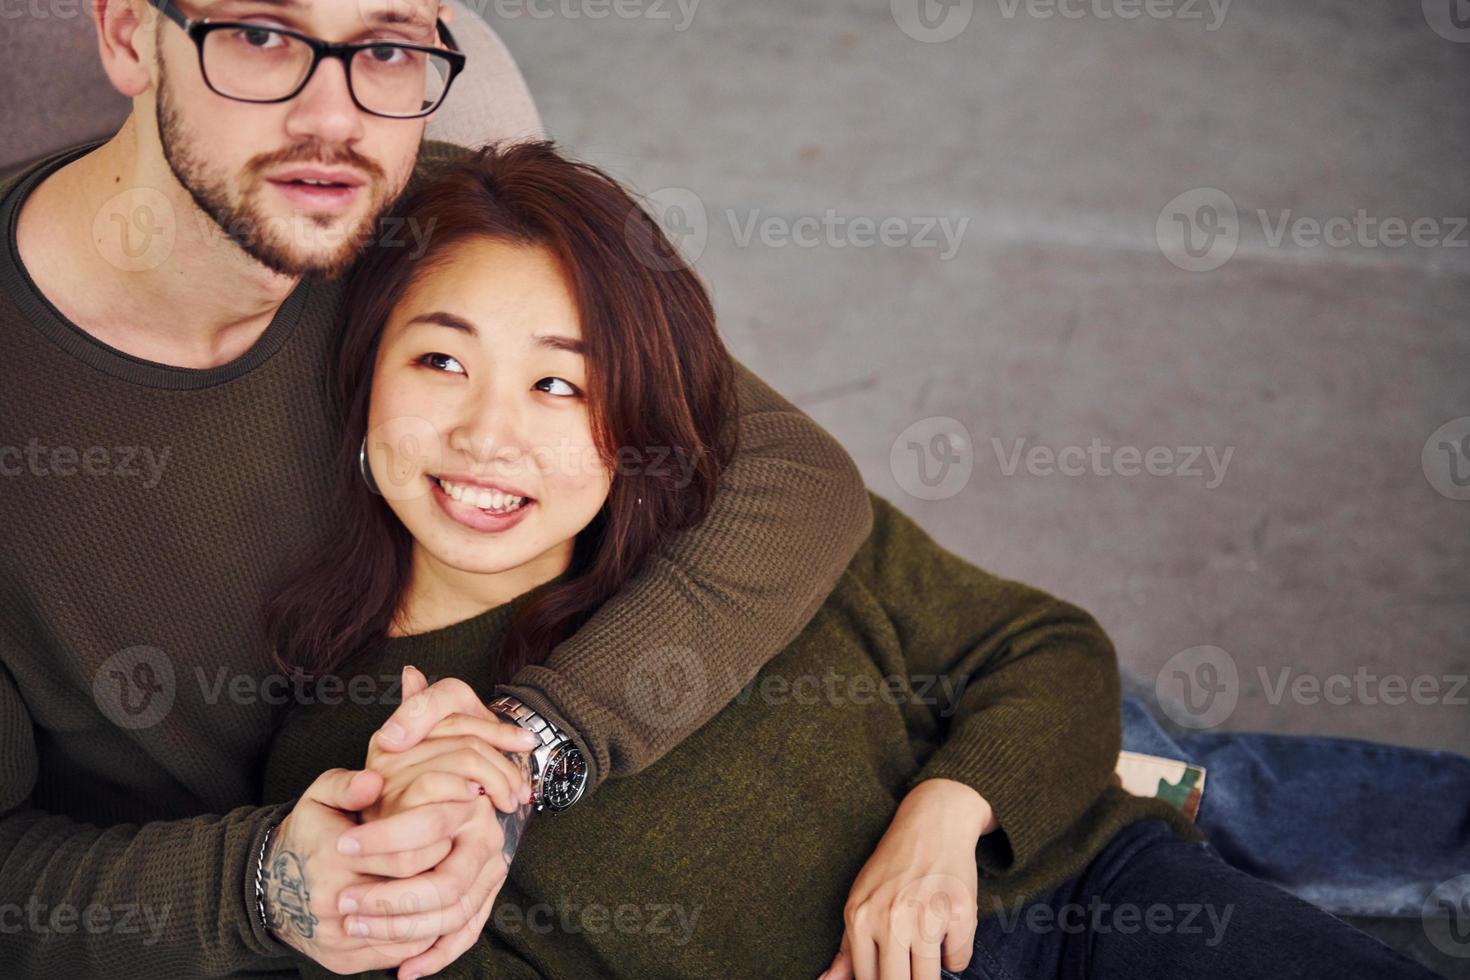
pixel 315 196
pixel 317 175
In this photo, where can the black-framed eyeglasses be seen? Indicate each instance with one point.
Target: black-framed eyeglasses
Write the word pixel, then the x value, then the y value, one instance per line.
pixel 253 62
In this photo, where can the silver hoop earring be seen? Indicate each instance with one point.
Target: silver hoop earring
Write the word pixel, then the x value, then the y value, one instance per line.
pixel 367 471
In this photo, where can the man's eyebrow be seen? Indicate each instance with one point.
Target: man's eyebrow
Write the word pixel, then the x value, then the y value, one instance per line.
pixel 444 318
pixel 394 13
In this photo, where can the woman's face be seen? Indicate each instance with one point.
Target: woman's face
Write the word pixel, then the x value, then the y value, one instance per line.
pixel 479 433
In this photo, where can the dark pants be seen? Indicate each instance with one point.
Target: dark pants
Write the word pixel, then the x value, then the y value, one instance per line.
pixel 1153 906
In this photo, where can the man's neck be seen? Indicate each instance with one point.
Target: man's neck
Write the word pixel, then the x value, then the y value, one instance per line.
pixel 119 247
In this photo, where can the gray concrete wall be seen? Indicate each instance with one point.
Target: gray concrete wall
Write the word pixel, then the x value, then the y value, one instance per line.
pixel 1334 542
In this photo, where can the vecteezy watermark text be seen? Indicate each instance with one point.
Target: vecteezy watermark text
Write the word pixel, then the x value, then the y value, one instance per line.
pixel 126 462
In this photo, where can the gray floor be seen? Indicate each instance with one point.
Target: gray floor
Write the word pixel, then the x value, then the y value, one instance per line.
pixel 1328 547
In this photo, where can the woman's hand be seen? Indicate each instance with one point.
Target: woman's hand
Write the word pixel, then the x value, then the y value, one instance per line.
pixel 916 896
pixel 463 749
pixel 460 759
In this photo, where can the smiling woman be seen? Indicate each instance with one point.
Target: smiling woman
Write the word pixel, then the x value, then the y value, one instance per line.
pixel 502 380
pixel 482 387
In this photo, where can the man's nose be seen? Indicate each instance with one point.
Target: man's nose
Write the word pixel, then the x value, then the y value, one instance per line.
pixel 324 110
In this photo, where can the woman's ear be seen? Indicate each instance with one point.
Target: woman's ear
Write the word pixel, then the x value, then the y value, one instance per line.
pixel 125 40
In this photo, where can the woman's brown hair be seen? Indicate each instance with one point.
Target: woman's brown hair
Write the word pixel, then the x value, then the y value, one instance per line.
pixel 660 381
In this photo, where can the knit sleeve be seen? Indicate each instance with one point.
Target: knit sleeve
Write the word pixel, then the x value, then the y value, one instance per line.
pixel 666 654
pixel 172 898
pixel 490 958
pixel 1028 706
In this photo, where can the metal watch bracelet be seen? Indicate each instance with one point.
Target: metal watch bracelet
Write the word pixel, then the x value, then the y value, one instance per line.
pixel 553 742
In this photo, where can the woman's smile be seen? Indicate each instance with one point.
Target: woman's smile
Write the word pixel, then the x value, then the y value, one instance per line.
pixel 479 507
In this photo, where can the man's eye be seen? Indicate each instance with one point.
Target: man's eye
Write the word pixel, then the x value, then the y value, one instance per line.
pixel 260 38
pixel 558 386
pixel 442 362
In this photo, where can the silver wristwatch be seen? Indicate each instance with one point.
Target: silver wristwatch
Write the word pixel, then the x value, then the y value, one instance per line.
pixel 558 771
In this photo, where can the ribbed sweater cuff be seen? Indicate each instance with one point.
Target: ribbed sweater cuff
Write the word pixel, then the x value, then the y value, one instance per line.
pixel 1024 795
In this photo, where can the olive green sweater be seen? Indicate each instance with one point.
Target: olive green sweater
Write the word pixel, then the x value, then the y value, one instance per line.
pixel 733 856
pixel 147 511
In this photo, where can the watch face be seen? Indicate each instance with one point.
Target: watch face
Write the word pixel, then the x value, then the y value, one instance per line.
pixel 565 776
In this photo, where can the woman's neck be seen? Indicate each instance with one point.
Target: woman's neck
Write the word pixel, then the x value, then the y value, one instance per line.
pixel 439 595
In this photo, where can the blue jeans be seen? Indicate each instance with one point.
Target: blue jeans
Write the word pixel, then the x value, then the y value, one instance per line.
pixel 1153 905
pixel 1354 827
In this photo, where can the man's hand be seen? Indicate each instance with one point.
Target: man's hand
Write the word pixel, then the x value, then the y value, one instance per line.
pixel 305 872
pixel 467 754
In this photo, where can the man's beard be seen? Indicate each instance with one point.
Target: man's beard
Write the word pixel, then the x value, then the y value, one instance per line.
pixel 266 240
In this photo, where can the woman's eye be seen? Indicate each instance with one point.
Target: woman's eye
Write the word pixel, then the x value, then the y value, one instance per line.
pixel 558 386
pixel 442 362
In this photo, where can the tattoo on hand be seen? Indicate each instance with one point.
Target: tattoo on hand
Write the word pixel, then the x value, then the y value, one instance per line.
pixel 287 895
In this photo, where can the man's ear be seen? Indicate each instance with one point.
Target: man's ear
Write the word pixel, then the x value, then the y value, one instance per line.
pixel 446 14
pixel 125 41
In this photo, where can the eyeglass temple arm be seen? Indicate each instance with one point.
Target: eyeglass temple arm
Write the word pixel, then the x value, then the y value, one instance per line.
pixel 443 32
pixel 173 13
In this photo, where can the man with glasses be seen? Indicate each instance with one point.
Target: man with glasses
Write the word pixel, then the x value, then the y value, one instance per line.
pixel 167 302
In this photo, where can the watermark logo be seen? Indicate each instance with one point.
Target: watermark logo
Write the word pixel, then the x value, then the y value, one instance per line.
pixel 688 225
pixel 681 215
pixel 1446 917
pixel 1099 917
pixel 933 458
pixel 1100 459
pixel 12 10
pixel 135 230
pixel 668 688
pixel 1199 230
pixel 1446 459
pixel 833 230
pixel 135 688
pixel 932 21
pixel 39 918
pixel 1182 10
pixel 669 921
pixel 941 693
pixel 398 452
pixel 142 463
pixel 1450 19
pixel 1198 687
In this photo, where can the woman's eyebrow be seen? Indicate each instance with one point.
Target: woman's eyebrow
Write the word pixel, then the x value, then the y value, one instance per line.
pixel 443 318
pixel 557 342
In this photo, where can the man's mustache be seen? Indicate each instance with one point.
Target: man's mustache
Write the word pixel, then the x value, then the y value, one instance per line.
pixel 316 154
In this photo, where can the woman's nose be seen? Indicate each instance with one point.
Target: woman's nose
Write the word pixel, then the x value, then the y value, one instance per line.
pixel 489 428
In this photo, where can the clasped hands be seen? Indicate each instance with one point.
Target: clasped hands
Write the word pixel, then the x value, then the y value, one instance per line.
pixel 398 864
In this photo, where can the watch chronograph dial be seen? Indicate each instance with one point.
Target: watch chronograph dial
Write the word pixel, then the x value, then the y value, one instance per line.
pixel 564 779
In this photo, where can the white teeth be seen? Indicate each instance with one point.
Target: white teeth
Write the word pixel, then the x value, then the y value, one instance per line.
pixel 483 499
